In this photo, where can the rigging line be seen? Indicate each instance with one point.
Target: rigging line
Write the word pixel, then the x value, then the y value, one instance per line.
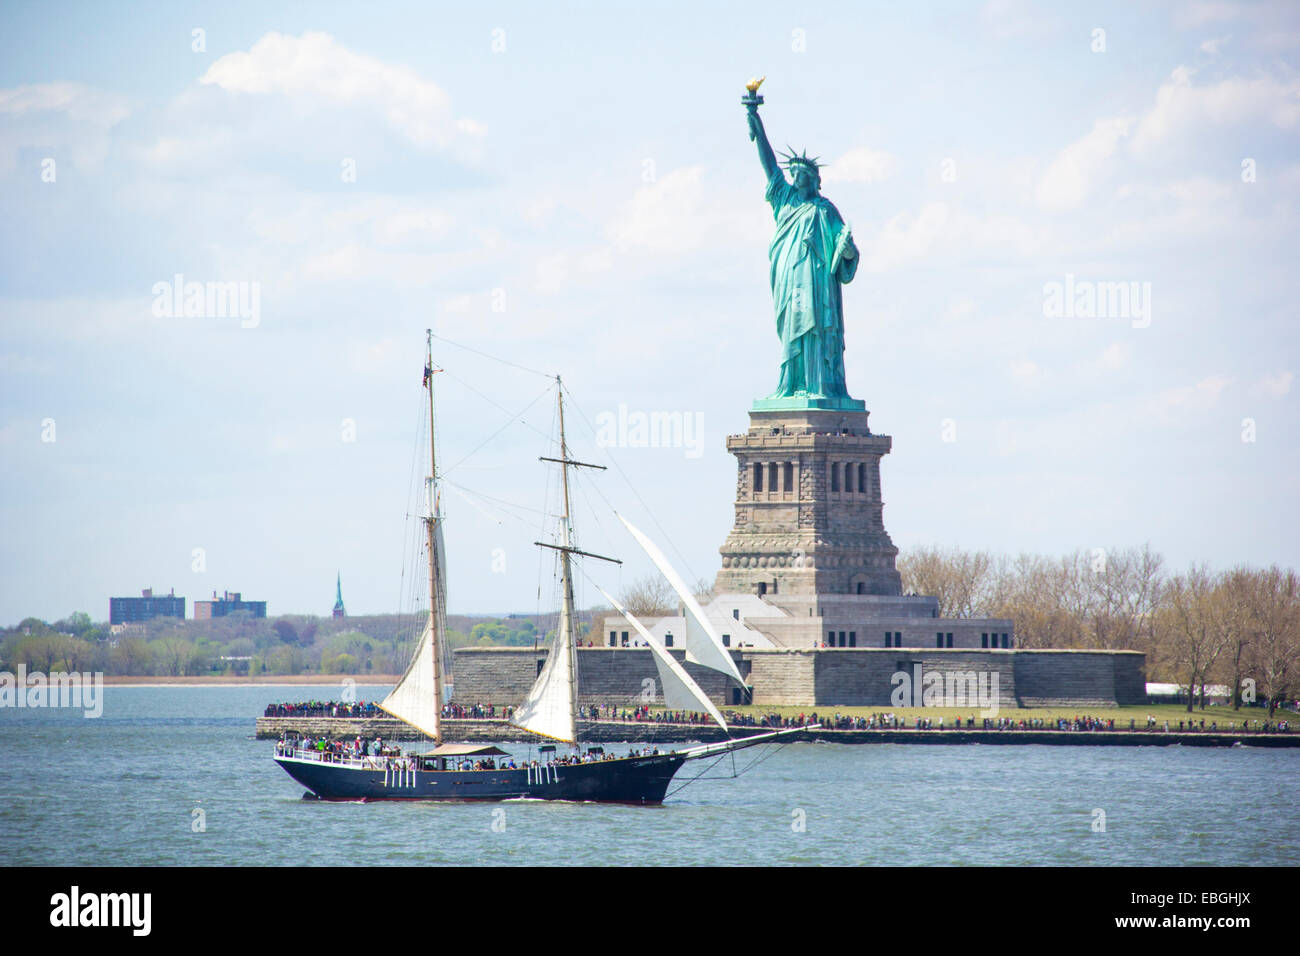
pixel 499 501
pixel 416 543
pixel 698 776
pixel 405 617
pixel 628 482
pixel 595 517
pixel 768 751
pixel 491 401
pixel 542 527
pixel 492 515
pixel 550 375
pixel 479 446
pixel 772 749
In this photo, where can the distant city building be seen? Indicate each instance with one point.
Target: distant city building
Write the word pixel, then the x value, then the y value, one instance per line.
pixel 133 610
pixel 339 610
pixel 231 602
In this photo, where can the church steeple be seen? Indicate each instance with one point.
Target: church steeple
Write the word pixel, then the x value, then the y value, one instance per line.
pixel 338 600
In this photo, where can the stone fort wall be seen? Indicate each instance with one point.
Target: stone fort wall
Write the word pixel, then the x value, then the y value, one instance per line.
pixel 817 677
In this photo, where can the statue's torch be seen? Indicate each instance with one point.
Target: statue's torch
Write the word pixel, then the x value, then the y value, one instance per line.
pixel 752 101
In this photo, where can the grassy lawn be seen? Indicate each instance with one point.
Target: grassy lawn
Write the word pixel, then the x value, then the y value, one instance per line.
pixel 1225 716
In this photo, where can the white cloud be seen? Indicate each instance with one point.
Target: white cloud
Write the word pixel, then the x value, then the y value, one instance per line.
pixel 939 229
pixel 1273 386
pixel 540 208
pixel 861 165
pixel 459 304
pixel 1182 108
pixel 383 357
pixel 212 144
pixel 1007 19
pixel 14 364
pixel 355 262
pixel 654 217
pixel 905 238
pixel 1200 397
pixel 1068 179
pixel 77 101
pixel 679 214
pixel 317 68
pixel 1214 46
pixel 559 271
pixel 1199 14
pixel 1027 373
pixel 69 119
pixel 1114 356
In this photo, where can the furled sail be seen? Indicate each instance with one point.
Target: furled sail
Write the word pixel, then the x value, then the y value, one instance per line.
pixel 681 692
pixel 415 698
pixel 444 652
pixel 703 645
pixel 550 708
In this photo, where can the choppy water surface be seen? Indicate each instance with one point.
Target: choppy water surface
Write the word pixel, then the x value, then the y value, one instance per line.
pixel 121 790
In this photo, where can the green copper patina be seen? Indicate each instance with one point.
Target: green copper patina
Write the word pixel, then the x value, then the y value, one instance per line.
pixel 811 255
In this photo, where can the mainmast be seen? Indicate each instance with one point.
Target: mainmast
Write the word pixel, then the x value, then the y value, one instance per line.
pixel 431 521
pixel 551 708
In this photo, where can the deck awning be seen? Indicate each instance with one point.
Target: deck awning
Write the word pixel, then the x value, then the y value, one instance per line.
pixel 465 750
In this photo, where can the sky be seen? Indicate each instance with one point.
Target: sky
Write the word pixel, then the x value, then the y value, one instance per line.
pixel 570 189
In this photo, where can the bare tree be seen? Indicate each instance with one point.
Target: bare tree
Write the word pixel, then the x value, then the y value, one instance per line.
pixel 1126 591
pixel 1032 591
pixel 703 590
pixel 1191 625
pixel 1275 648
pixel 650 596
pixel 963 581
pixel 1236 608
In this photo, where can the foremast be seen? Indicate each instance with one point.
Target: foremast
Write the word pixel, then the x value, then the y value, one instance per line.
pixel 419 696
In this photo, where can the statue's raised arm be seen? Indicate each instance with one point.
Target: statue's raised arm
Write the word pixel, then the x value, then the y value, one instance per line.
pixel 766 155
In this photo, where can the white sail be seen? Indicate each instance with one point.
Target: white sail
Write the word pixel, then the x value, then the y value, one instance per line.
pixel 548 708
pixel 703 645
pixel 680 690
pixel 415 698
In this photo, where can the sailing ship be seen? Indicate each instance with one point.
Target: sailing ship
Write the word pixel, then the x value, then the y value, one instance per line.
pixel 454 771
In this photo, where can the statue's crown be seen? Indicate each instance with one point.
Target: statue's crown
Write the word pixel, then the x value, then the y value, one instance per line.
pixel 802 159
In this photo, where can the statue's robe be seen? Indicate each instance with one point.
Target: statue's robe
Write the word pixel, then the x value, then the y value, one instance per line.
pixel 811 254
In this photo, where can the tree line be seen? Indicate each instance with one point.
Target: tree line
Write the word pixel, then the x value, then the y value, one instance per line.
pixel 241 645
pixel 1239 627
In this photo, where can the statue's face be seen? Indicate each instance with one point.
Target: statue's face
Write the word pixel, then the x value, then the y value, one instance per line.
pixel 804 179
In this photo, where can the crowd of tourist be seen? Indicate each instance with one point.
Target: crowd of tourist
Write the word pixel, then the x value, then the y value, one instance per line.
pixel 876 721
pixel 476 712
pixel 330 748
pixel 368 709
pixel 324 708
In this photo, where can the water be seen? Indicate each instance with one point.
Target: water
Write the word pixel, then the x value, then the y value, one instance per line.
pixel 121 790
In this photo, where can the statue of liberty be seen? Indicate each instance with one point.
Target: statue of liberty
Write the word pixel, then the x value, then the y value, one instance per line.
pixel 812 254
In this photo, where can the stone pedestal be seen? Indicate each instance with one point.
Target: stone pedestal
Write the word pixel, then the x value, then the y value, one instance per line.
pixel 808 506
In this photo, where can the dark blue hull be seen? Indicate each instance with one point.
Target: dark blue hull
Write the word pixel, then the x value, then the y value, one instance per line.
pixel 638 780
